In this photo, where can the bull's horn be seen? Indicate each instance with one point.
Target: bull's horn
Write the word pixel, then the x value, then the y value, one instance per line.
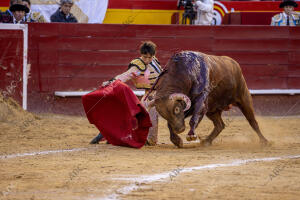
pixel 180 96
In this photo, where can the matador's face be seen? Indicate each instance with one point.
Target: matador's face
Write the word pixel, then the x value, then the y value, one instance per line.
pixel 147 58
pixel 288 9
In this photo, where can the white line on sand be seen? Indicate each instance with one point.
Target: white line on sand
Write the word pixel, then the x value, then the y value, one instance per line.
pixel 146 179
pixel 41 153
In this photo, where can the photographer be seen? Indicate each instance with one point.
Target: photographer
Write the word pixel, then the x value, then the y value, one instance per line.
pixel 204 10
pixel 189 12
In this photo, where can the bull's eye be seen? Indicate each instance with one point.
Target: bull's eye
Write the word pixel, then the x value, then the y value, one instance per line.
pixel 177 110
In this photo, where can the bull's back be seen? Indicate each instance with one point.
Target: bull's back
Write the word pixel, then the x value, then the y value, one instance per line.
pixel 226 80
pixel 224 67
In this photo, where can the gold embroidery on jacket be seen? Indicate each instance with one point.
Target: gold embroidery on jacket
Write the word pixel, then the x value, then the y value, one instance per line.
pixel 148 74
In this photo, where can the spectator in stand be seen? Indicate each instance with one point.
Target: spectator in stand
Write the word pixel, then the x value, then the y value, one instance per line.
pixel 205 13
pixel 63 13
pixel 18 11
pixel 288 17
pixel 32 16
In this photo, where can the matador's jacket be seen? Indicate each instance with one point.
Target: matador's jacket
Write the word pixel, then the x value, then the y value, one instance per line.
pixel 281 20
pixel 143 76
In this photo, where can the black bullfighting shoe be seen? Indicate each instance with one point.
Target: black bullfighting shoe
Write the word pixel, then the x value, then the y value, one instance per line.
pixel 97 139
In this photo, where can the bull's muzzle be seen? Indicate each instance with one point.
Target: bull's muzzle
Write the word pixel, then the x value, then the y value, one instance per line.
pixel 178 130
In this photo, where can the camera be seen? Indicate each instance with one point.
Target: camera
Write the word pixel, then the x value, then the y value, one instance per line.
pixel 189 12
pixel 186 4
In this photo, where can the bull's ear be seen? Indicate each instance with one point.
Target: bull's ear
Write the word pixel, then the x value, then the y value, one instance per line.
pixel 149 104
pixel 153 101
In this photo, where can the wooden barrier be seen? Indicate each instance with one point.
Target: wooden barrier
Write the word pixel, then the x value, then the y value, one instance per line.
pixel 249 18
pixel 68 57
pixel 81 56
pixel 11 62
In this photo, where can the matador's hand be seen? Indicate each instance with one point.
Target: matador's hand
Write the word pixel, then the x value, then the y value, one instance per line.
pixel 106 83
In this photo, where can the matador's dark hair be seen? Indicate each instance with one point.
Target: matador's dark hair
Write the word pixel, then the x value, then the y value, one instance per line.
pixel 148 47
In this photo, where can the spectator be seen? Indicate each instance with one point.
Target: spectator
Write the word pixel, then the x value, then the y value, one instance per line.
pixel 32 16
pixel 15 14
pixel 288 17
pixel 205 13
pixel 63 13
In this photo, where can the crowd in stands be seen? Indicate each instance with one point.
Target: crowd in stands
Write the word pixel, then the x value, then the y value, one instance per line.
pixel 204 16
pixel 19 12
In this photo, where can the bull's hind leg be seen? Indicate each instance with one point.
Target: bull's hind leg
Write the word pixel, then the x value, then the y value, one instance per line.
pixel 218 127
pixel 176 140
pixel 246 107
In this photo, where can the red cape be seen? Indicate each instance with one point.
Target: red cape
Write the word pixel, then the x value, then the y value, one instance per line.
pixel 118 114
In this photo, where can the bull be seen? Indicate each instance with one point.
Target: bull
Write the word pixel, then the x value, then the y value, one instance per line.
pixel 198 84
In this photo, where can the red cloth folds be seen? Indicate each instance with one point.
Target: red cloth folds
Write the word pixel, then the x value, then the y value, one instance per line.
pixel 118 114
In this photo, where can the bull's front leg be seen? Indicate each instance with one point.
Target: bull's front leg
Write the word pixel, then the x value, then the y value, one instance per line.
pixel 200 109
pixel 176 140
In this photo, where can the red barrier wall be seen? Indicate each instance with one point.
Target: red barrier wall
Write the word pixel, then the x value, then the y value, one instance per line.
pixel 11 62
pixel 66 57
pixel 248 18
pixel 81 56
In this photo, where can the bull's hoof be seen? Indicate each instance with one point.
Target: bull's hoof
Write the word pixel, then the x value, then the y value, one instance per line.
pixel 177 141
pixel 205 143
pixel 179 144
pixel 265 143
pixel 191 137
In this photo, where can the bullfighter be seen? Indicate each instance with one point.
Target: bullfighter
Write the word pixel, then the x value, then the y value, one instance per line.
pixel 288 17
pixel 143 72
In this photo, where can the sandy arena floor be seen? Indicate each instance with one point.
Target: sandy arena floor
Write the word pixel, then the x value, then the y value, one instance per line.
pixel 67 167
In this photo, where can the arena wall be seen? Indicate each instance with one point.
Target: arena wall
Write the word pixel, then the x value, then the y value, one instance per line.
pixel 11 61
pixel 78 57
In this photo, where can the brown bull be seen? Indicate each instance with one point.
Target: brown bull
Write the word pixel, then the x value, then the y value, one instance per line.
pixel 198 84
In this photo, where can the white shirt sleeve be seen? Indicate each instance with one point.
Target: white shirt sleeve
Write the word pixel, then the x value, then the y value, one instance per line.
pixel 208 6
pixel 129 74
